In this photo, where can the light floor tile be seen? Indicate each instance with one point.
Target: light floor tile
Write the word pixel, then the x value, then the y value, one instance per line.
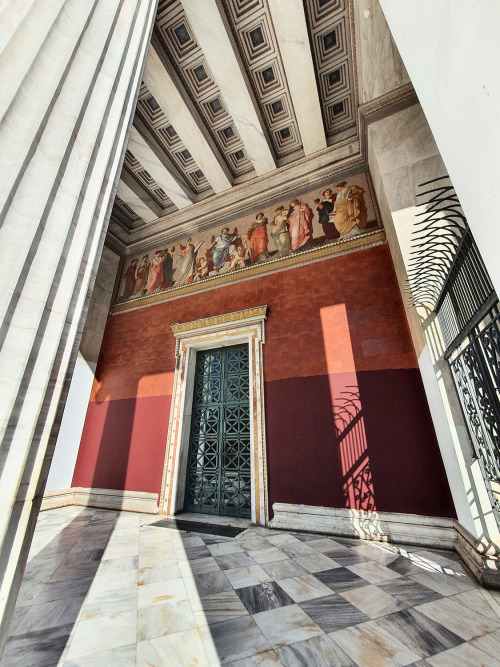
pixel 446 584
pixel 233 640
pixel 267 555
pixel 113 581
pixel 304 588
pixel 173 590
pixel 103 633
pixel 465 655
pixel 164 619
pixel 199 566
pixel 266 659
pixel 124 656
pixel 182 649
pixel 283 569
pixel 319 651
pixel 286 625
pixel 247 576
pixel 108 603
pixel 157 573
pixel 223 548
pixel 326 544
pixel 459 619
pixel 363 642
pixel 373 571
pixel 219 607
pixel 316 563
pixel 373 601
pixel 489 643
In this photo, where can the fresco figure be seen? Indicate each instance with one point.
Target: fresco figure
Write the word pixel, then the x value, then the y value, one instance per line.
pixel 202 268
pixel 168 268
pixel 299 219
pixel 239 260
pixel 257 234
pixel 222 246
pixel 130 279
pixel 350 214
pixel 186 262
pixel 141 276
pixel 280 234
pixel 325 217
pixel 156 271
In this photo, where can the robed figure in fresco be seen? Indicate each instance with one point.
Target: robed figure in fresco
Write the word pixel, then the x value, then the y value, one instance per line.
pixel 325 217
pixel 168 267
pixel 299 219
pixel 257 234
pixel 130 279
pixel 156 271
pixel 280 233
pixel 186 262
pixel 349 213
pixel 141 276
pixel 222 246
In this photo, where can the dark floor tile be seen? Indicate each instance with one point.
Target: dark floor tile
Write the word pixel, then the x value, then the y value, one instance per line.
pixel 306 537
pixel 333 613
pixel 410 591
pixel 37 649
pixel 420 633
pixel 232 561
pixel 263 597
pixel 340 579
pixel 345 557
pixel 403 565
pixel 211 583
pixel 319 651
pixel 346 541
pixel 197 552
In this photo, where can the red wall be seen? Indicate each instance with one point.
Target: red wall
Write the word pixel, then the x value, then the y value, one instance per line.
pixel 336 329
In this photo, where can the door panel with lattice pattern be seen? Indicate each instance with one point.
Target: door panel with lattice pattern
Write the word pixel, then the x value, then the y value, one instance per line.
pixel 218 472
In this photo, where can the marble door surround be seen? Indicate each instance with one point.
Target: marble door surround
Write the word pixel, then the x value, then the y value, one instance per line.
pixel 240 327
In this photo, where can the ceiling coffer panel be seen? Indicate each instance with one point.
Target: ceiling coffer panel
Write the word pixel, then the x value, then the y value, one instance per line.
pixel 153 116
pixel 255 38
pixel 328 25
pixel 178 41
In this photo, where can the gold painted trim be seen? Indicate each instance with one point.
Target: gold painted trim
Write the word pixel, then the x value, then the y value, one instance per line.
pixel 259 311
pixel 306 257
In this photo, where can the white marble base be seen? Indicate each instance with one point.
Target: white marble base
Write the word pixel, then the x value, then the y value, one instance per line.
pixel 480 556
pixel 128 501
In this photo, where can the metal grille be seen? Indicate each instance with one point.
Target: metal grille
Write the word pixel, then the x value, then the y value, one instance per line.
pixel 476 372
pixel 218 470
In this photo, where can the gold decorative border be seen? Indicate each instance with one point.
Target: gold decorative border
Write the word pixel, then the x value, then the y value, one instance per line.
pixel 259 311
pixel 315 254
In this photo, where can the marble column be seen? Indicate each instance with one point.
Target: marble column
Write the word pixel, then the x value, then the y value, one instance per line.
pixel 70 77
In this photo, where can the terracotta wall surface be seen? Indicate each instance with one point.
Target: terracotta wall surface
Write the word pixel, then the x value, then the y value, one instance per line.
pixel 347 421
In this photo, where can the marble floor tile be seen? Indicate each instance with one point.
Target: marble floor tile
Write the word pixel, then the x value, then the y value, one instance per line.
pixel 465 655
pixel 266 659
pixel 373 571
pixel 219 607
pixel 476 600
pixel 172 590
pixel 446 584
pixel 192 541
pixel 50 615
pixel 182 649
pixel 102 633
pixel 298 549
pixel 119 564
pixel 403 565
pixel 210 583
pixel 36 649
pixel 326 544
pixel 113 581
pixel 306 537
pixel 420 633
pixel 254 542
pixel 233 640
pixel 195 553
pixel 365 642
pixel 348 542
pixel 283 569
pixel 108 603
pixel 461 620
pixel 316 563
pixel 373 601
pixel 233 561
pixel 76 555
pixel 224 548
pixel 124 656
pixel 263 597
pixel 243 577
pixel 409 591
pixel 17 617
pixel 346 557
pixel 286 625
pixel 319 651
pixel 340 579
pixel 267 555
pixel 200 566
pixel 489 643
pixel 306 587
pixel 156 573
pixel 164 619
pixel 281 539
pixel 333 612
pixel 58 590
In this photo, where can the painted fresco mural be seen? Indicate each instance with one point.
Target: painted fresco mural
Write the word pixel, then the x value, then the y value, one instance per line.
pixel 337 212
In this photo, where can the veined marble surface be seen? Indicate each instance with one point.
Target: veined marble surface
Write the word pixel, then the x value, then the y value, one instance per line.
pixel 109 588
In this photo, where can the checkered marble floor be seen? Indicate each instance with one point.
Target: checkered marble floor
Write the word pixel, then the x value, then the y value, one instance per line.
pixel 108 588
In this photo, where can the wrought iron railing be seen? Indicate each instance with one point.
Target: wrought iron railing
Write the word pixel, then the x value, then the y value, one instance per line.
pixel 447 275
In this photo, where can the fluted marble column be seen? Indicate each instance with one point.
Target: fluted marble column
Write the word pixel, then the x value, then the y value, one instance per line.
pixel 70 72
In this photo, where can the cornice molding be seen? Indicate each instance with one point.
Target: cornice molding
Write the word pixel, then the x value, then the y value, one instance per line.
pixel 243 316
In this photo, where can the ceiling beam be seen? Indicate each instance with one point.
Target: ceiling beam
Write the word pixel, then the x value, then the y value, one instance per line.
pixel 139 207
pixel 210 33
pixel 291 32
pixel 163 89
pixel 140 149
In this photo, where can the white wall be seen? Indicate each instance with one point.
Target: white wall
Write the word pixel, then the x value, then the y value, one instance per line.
pixel 451 51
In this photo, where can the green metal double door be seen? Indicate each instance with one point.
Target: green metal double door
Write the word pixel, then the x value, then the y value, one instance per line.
pixel 218 469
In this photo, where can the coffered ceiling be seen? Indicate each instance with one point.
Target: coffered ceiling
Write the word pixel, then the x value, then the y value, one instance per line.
pixel 238 97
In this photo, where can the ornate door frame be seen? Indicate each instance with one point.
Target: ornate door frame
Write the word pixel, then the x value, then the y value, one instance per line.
pixel 244 326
